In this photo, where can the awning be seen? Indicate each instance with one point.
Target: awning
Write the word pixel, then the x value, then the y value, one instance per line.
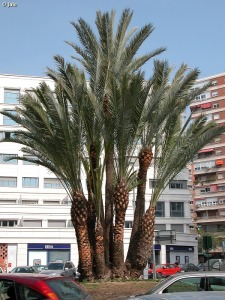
pixel 206 150
pixel 219 162
pixel 206 105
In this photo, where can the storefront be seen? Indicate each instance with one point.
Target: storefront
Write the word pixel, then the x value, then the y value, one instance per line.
pixel 43 253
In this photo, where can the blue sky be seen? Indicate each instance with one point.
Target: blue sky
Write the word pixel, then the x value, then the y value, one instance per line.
pixel 193 31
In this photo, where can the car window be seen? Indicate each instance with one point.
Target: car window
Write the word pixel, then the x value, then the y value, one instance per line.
pixel 186 285
pixel 26 293
pixel 6 289
pixel 216 283
pixel 55 266
pixel 67 289
pixel 68 265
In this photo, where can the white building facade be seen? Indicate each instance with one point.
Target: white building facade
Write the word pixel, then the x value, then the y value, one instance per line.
pixel 35 225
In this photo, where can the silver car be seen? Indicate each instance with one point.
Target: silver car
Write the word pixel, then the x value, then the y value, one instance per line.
pixel 62 268
pixel 184 296
pixel 188 283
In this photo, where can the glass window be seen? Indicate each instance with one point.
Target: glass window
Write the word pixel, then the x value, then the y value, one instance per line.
pixel 177 227
pixel 8 181
pixel 30 182
pixel 56 223
pixel 178 184
pixel 8 223
pixel 216 117
pixel 52 183
pixel 214 94
pixel 128 224
pixel 152 183
pixel 32 223
pixel 11 96
pixel 176 209
pixel 4 157
pixel 187 285
pixel 8 121
pixel 28 162
pixel 67 289
pixel 160 209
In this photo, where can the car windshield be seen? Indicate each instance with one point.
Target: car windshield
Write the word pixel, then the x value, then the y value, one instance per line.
pixel 55 266
pixel 67 289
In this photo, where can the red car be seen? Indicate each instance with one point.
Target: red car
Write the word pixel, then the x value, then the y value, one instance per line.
pixel 164 270
pixel 20 286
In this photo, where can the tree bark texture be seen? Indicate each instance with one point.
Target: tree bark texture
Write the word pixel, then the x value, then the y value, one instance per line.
pixel 145 158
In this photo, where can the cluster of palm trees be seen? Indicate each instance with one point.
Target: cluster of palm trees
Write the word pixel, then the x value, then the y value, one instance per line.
pixel 96 120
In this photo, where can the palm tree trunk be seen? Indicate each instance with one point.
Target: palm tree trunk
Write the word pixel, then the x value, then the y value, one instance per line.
pixel 99 252
pixel 146 239
pixel 79 220
pixel 145 158
pixel 108 230
pixel 121 199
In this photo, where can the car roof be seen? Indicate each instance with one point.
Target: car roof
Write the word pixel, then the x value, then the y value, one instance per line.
pixel 200 274
pixel 26 277
pixel 185 296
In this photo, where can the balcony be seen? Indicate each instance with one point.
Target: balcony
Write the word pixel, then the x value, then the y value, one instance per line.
pixel 210 219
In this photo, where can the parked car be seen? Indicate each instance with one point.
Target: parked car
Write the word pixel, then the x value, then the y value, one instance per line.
pixel 188 267
pixel 191 282
pixel 39 268
pixel 184 296
pixel 23 269
pixel 164 270
pixel 201 267
pixel 60 267
pixel 40 286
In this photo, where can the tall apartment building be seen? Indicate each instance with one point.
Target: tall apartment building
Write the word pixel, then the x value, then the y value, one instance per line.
pixel 208 168
pixel 35 223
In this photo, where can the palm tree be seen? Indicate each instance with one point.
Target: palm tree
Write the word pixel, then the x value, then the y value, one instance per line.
pixel 106 58
pixel 53 133
pixel 174 146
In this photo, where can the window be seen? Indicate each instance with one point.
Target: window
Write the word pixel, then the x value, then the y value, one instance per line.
pixel 217 140
pixel 3 159
pixel 32 223
pixel 8 223
pixel 56 223
pixel 160 226
pixel 214 82
pixel 220 176
pixel 215 105
pixel 221 188
pixel 11 96
pixel 8 121
pixel 216 116
pixel 152 183
pixel 214 94
pixel 52 183
pixel 178 184
pixel 176 209
pixel 187 285
pixel 197 98
pixel 203 96
pixel 128 224
pixel 8 181
pixel 160 209
pixel 177 227
pixel 218 152
pixel 28 162
pixel 30 182
pixel 6 135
